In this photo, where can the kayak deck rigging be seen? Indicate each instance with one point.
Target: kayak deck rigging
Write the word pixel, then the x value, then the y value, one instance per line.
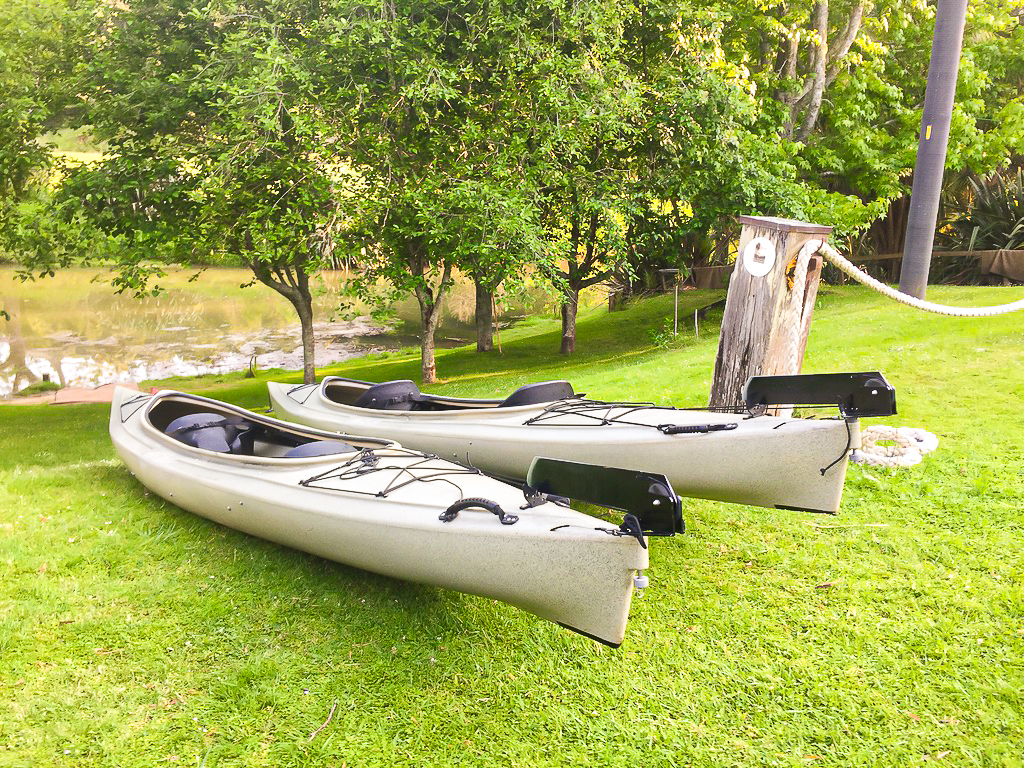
pixel 599 413
pixel 367 462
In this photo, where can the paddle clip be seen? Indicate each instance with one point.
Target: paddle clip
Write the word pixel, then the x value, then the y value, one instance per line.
pixel 535 498
pixel 631 526
pixel 453 511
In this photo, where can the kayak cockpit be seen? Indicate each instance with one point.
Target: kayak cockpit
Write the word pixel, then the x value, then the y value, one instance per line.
pixel 404 395
pixel 209 425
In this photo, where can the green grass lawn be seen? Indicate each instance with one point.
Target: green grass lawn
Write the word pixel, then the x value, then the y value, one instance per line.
pixel 135 634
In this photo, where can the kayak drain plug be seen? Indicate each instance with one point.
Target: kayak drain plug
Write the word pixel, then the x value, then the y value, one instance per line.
pixel 640 582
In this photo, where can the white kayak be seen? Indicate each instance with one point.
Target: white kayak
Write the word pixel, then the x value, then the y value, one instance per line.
pixel 771 461
pixel 373 504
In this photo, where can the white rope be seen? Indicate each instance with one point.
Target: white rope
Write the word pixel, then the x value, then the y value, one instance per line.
pixel 847 266
pixel 798 311
pixel 884 446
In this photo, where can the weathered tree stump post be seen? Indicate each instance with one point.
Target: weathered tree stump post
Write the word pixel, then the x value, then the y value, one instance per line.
pixel 765 327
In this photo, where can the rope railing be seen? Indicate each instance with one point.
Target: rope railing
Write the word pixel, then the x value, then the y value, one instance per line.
pixel 848 268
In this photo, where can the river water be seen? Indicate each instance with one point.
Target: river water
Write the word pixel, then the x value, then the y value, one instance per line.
pixel 74 329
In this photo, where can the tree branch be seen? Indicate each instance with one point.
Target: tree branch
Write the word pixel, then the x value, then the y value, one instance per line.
pixel 446 279
pixel 820 60
pixel 600 277
pixel 846 40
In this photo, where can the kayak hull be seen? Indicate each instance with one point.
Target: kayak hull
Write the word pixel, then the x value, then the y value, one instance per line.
pixel 768 461
pixel 383 519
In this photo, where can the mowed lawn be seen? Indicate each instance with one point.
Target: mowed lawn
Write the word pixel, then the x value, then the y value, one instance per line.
pixel 135 634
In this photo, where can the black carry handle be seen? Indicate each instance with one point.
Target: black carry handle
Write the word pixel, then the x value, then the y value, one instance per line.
pixel 696 429
pixel 856 394
pixel 646 496
pixel 453 511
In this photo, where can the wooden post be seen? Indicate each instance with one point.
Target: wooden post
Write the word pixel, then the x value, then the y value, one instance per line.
pixel 760 308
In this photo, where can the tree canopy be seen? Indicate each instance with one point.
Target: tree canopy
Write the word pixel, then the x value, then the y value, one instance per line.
pixel 416 140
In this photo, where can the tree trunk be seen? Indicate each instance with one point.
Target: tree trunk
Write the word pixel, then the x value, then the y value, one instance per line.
pixel 484 317
pixel 570 306
pixel 302 301
pixel 431 302
pixel 820 59
pixel 293 284
pixel 430 315
pixel 305 312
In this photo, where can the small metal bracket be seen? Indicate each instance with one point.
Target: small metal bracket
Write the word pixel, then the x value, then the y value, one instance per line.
pixel 535 498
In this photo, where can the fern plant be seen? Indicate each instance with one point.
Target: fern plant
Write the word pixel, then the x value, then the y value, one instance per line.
pixel 989 215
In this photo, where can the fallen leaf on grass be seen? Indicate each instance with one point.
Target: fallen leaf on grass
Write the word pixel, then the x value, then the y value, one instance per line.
pixel 826 585
pixel 912 716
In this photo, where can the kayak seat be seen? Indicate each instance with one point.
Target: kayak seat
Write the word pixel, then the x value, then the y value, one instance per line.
pixel 540 392
pixel 398 395
pixel 319 448
pixel 214 432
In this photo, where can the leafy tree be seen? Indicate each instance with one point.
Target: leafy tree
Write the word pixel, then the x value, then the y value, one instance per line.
pixel 450 132
pixel 588 107
pixel 216 141
pixel 701 147
pixel 845 81
pixel 30 43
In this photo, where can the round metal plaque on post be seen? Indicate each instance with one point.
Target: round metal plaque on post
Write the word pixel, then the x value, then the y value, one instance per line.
pixel 759 256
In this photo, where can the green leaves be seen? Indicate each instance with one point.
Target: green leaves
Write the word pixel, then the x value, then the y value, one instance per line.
pixel 993 214
pixel 30 40
pixel 497 139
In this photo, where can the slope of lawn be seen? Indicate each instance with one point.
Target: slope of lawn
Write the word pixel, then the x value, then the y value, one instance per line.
pixel 135 634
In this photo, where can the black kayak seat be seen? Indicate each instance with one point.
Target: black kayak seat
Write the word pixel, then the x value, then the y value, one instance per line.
pixel 213 432
pixel 540 392
pixel 319 448
pixel 400 395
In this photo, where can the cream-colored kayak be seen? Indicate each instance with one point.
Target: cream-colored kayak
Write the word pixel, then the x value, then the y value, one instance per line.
pixel 789 463
pixel 375 505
